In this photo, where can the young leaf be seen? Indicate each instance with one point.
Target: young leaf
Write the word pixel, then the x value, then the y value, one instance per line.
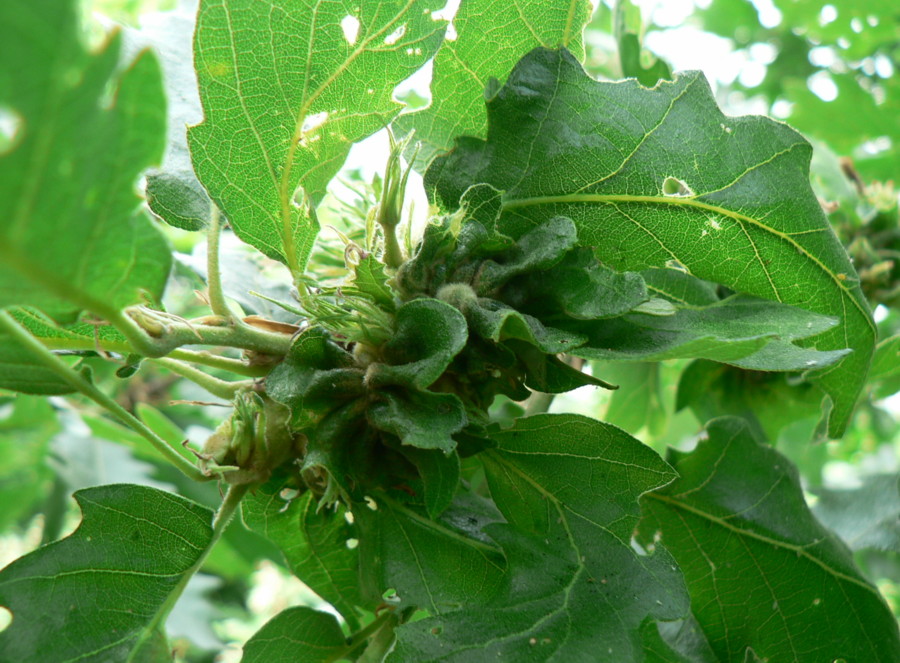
pixel 661 178
pixel 429 334
pixel 287 87
pixel 101 593
pixel 492 37
pixel 568 487
pixel 314 543
pixel 297 635
pixel 764 575
pixel 70 236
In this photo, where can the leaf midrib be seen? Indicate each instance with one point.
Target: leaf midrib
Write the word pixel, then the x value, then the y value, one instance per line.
pixel 799 550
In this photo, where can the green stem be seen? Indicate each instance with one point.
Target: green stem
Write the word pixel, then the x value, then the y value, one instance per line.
pixel 205 358
pixel 393 255
pixel 538 403
pixel 213 274
pixel 358 638
pixel 79 383
pixel 159 334
pixel 202 357
pixel 223 517
pixel 215 386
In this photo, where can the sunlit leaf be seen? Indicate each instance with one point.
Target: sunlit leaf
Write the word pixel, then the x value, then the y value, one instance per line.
pixel 71 236
pixel 492 36
pixel 287 87
pixel 100 594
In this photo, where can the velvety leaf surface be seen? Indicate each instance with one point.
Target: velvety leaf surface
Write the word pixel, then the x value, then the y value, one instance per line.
pixel 764 575
pixel 864 517
pixel 420 419
pixel 428 335
pixel 298 635
pixel 97 594
pixel 492 37
pixel 313 543
pixel 568 487
pixel 661 178
pixel 70 234
pixel 285 92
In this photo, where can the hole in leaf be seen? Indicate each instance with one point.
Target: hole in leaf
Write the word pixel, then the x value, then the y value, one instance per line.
pixel 6 618
pixel 288 493
pixel 672 186
pixel 390 595
pixel 350 26
pixel 395 36
pixel 352 543
pixel 313 122
pixel 10 128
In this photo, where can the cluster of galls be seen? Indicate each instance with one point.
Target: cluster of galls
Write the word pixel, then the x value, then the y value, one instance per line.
pixel 475 314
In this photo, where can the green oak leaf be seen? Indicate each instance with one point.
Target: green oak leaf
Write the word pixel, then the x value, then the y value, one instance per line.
pixel 421 419
pixel 885 374
pixel 25 475
pixel 370 280
pixel 21 370
pixel 298 635
pixel 101 593
pixel 314 543
pixel 867 517
pixel 769 402
pixel 428 334
pixel 744 331
pixel 71 236
pixel 638 402
pixel 661 178
pixel 568 487
pixel 491 37
pixel 440 477
pixel 580 287
pixel 285 93
pixel 403 550
pixel 764 575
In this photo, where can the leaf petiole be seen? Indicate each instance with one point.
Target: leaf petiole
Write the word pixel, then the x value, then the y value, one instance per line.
pixel 39 352
pixel 215 386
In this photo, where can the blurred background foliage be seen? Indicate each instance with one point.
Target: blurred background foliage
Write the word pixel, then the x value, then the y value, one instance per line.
pixel 830 70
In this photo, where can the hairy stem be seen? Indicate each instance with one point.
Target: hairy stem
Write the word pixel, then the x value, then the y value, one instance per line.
pixel 159 334
pixel 215 386
pixel 213 273
pixel 37 351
